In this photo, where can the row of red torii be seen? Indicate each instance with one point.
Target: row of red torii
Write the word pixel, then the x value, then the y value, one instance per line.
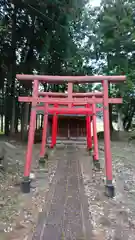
pixel 52 104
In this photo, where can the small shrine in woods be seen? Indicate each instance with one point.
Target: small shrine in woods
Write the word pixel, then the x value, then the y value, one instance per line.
pixel 70 104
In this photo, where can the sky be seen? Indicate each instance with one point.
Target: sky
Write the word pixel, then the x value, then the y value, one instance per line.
pixel 95 2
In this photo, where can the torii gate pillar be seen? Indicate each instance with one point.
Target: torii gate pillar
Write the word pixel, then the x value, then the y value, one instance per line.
pixel 107 144
pixel 95 138
pixel 88 131
pixel 43 153
pixel 26 182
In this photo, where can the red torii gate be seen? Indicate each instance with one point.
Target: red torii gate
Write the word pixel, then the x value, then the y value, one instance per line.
pixel 81 111
pixel 70 99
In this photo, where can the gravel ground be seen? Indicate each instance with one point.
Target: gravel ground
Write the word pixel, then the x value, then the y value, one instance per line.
pixel 111 218
pixel 19 212
pixel 66 216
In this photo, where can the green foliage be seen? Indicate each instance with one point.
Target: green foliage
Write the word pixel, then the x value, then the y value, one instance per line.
pixel 68 38
pixel 115 29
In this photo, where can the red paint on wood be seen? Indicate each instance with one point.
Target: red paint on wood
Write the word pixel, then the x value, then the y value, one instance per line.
pixel 31 132
pixel 54 128
pixel 88 130
pixel 72 99
pixel 66 102
pixel 44 132
pixel 107 144
pixel 73 111
pixel 95 138
pixel 70 90
pixel 73 79
pixel 58 94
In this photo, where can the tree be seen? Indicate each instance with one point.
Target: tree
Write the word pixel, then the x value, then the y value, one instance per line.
pixel 43 37
pixel 115 30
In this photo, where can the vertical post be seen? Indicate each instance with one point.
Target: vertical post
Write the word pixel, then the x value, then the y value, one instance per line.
pixel 54 128
pixel 88 131
pixel 26 181
pixel 107 144
pixel 70 91
pixel 44 136
pixel 95 138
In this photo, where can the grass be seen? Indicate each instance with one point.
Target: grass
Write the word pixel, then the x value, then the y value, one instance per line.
pixel 1 133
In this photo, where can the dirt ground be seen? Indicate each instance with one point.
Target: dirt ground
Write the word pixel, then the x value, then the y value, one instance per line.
pixel 111 218
pixel 19 212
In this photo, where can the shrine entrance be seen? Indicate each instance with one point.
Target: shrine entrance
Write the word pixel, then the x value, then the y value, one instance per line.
pixel 71 127
pixel 71 103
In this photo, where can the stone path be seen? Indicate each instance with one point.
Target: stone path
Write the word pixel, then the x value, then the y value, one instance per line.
pixel 66 212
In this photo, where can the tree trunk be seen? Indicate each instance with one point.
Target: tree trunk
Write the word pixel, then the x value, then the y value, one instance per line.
pixel 37 121
pixel 120 122
pixel 17 117
pixel 110 118
pixel 128 118
pixel 13 68
pixel 2 111
pixel 2 123
pixel 12 130
pixel 129 124
pixel 42 119
pixel 7 111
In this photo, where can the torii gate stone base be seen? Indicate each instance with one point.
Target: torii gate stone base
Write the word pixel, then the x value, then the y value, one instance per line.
pixel 53 102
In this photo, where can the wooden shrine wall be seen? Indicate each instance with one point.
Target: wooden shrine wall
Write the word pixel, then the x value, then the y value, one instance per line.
pixel 70 127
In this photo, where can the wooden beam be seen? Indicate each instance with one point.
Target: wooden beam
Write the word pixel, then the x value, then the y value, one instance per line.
pixel 73 79
pixel 77 102
pixel 68 110
pixel 58 94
